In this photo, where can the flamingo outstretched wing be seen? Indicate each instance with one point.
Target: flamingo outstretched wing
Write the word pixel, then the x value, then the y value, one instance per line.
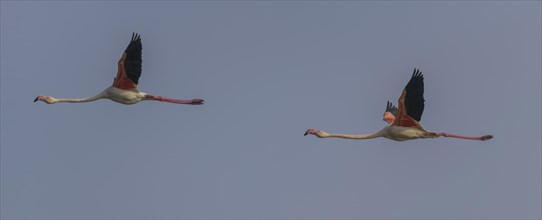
pixel 411 102
pixel 390 113
pixel 129 65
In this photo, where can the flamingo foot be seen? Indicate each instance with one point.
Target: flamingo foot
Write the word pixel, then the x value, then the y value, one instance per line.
pixel 486 137
pixel 197 102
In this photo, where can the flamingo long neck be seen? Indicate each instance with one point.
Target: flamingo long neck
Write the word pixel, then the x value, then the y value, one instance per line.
pixel 354 136
pixel 78 100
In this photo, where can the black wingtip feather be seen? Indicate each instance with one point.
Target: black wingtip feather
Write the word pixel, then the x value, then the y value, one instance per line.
pixel 136 36
pixel 414 100
pixel 391 108
pixel 417 73
pixel 133 58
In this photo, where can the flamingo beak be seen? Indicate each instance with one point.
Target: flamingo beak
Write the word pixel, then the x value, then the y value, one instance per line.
pixel 310 131
pixel 35 100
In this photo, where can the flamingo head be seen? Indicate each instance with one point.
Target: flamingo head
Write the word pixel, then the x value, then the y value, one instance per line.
pixel 46 99
pixel 313 132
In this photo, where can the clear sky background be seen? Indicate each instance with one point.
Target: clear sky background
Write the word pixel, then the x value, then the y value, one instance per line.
pixel 268 71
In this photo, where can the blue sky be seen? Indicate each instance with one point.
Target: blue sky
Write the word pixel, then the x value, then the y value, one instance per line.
pixel 268 71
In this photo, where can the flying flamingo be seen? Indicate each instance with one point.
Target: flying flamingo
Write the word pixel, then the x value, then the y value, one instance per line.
pixel 124 89
pixel 404 122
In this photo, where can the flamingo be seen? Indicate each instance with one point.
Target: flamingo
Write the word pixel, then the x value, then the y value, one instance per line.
pixel 124 89
pixel 404 122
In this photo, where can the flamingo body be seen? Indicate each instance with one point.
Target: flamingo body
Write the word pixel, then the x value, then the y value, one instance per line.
pixel 124 89
pixel 404 121
pixel 399 133
pixel 127 97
